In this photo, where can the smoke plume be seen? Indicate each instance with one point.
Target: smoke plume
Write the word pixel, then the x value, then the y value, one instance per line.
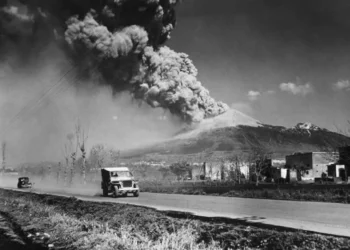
pixel 119 43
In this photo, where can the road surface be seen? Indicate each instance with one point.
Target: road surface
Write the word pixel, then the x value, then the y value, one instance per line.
pixel 328 218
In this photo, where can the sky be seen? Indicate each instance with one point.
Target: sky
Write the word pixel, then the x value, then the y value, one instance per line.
pixel 281 62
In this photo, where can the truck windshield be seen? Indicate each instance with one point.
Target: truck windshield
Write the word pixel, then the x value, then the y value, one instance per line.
pixel 121 174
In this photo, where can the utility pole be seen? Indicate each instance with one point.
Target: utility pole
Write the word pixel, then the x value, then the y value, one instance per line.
pixel 3 150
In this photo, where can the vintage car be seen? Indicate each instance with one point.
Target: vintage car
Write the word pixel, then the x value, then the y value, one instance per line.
pixel 118 181
pixel 23 182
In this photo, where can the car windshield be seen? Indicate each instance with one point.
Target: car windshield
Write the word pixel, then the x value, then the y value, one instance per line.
pixel 121 174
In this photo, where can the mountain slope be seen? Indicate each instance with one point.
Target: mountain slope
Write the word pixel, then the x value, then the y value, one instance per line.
pixel 231 118
pixel 237 133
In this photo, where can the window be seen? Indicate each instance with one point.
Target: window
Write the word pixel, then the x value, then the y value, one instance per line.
pixel 114 174
pixel 121 174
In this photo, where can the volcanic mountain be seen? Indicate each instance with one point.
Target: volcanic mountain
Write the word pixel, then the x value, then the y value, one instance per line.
pixel 234 133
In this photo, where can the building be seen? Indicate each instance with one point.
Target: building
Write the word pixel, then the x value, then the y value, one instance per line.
pixel 344 159
pixel 218 170
pixel 344 155
pixel 311 165
pixel 275 169
pixel 338 172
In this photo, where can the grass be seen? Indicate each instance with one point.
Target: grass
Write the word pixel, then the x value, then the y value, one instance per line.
pixel 325 193
pixel 75 224
pixel 73 230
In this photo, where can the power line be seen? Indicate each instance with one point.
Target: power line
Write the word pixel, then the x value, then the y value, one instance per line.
pixel 60 88
pixel 57 87
pixel 28 107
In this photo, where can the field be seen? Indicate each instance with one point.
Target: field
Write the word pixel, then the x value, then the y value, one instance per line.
pixel 75 224
pixel 301 192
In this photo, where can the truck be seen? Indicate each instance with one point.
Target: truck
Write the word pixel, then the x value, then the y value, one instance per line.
pixel 119 181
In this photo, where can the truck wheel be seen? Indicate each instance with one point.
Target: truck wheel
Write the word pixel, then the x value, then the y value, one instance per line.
pixel 125 194
pixel 136 194
pixel 115 191
pixel 105 192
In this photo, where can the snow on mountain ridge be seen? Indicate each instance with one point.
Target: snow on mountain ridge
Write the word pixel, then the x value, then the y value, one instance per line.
pixel 307 126
pixel 235 118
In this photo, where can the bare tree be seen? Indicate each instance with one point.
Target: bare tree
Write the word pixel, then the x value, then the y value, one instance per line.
pixel 101 156
pixel 59 168
pixel 66 157
pixel 81 143
pixel 70 153
pixel 50 171
pixel 258 162
pixel 73 156
pixel 236 161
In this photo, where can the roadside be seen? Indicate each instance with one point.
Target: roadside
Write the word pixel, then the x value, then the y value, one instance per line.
pixel 13 237
pixel 319 193
pixel 76 224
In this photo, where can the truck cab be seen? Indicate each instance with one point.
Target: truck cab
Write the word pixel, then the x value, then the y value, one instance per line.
pixel 118 181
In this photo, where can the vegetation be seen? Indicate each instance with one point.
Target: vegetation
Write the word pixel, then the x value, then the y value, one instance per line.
pixel 75 224
pixel 320 193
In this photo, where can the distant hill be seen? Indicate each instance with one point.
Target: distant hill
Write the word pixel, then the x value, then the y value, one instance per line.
pixel 236 133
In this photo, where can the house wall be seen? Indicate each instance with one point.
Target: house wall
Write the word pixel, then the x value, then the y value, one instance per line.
pixel 216 171
pixel 278 163
pixel 344 158
pixel 344 155
pixel 313 163
pixel 303 160
pixel 321 161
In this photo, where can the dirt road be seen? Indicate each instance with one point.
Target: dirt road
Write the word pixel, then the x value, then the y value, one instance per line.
pixel 328 218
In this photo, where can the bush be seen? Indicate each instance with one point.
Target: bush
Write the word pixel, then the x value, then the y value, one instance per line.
pixel 324 194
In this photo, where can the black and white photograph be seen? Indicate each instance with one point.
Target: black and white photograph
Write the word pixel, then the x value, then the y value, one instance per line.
pixel 174 124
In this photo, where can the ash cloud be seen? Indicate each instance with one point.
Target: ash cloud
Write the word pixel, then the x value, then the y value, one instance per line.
pixel 117 43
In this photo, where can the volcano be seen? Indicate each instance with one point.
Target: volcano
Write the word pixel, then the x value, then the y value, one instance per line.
pixel 234 133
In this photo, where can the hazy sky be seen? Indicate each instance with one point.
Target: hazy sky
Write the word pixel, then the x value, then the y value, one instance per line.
pixel 281 62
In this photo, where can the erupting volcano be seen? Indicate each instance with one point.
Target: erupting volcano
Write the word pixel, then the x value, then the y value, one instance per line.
pixel 118 43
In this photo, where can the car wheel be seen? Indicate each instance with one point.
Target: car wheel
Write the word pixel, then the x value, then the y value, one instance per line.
pixel 136 194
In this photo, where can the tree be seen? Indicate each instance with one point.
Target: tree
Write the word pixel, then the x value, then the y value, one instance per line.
pixel 165 172
pixel 259 162
pixel 59 168
pixel 66 157
pixel 70 154
pixel 81 144
pixel 235 163
pixel 142 170
pixel 180 169
pixel 102 156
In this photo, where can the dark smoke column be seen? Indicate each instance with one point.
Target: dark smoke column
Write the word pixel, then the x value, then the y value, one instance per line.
pixel 123 40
